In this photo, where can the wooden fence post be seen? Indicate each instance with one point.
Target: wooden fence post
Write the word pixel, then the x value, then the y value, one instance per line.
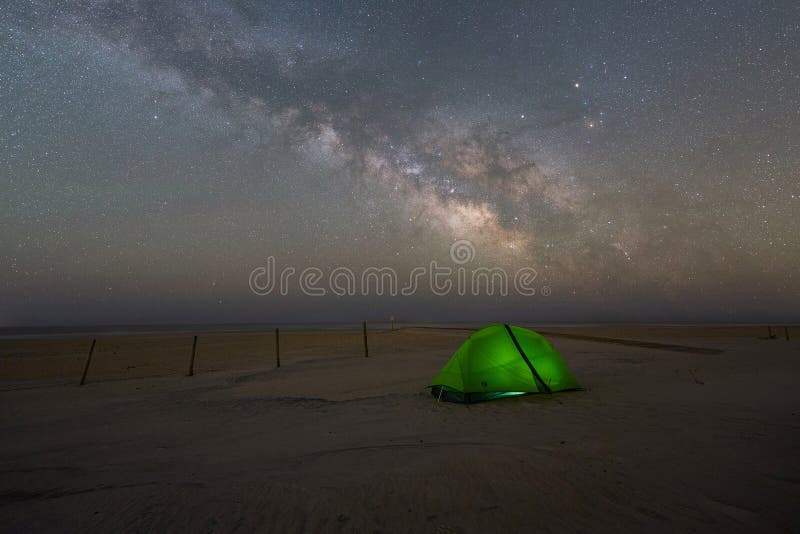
pixel 191 362
pixel 88 362
pixel 366 348
pixel 277 348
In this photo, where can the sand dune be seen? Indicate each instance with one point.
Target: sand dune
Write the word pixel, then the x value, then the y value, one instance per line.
pixel 332 441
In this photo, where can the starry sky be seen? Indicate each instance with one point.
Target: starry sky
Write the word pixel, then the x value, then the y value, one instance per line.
pixel 642 156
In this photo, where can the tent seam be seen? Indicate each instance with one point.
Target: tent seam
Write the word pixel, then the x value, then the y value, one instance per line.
pixel 536 377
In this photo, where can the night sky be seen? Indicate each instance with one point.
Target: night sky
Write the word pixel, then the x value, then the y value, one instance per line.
pixel 643 157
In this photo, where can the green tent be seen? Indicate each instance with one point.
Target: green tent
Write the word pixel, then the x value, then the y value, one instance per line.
pixel 502 361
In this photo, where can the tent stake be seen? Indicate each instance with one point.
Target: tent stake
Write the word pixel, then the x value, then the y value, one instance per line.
pixel 277 348
pixel 88 362
pixel 366 348
pixel 191 361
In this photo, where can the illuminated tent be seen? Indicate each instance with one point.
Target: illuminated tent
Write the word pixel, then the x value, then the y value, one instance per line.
pixel 502 361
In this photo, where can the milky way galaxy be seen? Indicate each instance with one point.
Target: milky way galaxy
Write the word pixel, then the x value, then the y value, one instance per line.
pixel 642 158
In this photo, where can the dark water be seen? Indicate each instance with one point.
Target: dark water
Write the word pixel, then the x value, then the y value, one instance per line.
pixel 132 330
pixel 54 332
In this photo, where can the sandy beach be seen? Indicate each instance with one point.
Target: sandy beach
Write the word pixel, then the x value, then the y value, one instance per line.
pixel 703 435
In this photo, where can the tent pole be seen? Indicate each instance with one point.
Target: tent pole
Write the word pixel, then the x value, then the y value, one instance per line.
pixel 536 377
